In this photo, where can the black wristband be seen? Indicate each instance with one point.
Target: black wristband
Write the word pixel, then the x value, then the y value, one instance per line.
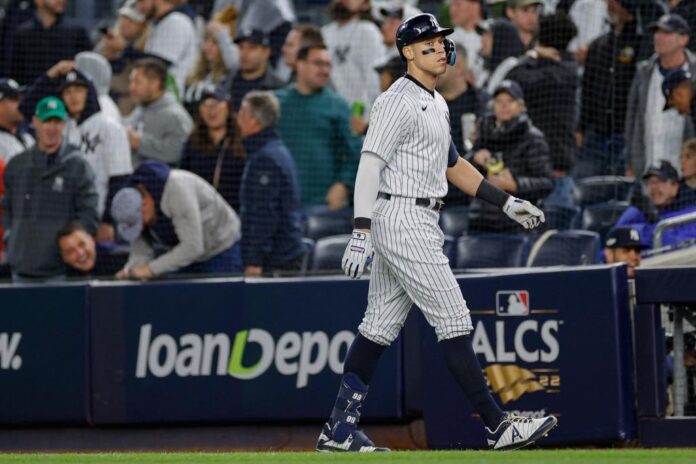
pixel 492 194
pixel 362 223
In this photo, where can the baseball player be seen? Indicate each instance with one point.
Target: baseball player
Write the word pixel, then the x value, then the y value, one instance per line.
pixel 407 158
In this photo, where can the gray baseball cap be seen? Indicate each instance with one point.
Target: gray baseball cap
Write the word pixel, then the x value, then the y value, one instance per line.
pixel 126 209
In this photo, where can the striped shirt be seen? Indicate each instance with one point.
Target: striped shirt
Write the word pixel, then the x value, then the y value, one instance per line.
pixel 409 129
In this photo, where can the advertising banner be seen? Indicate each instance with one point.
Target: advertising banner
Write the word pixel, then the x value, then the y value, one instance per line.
pixel 549 342
pixel 229 351
pixel 43 354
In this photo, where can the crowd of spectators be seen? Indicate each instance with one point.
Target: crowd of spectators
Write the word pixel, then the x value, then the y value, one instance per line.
pixel 199 142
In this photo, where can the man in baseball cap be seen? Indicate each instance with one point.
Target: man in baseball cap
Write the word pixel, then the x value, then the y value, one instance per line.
pixel 510 87
pixel 663 183
pixel 12 139
pixel 671 23
pixel 623 245
pixel 254 65
pixel 677 87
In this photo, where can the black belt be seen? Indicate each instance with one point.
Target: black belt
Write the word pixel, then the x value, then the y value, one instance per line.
pixel 425 202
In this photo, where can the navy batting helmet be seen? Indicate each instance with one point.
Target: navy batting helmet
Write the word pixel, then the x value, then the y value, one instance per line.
pixel 423 26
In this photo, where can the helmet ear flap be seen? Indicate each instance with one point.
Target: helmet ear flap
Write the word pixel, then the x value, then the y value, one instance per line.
pixel 450 52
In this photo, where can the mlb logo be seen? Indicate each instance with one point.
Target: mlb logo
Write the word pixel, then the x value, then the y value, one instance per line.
pixel 512 303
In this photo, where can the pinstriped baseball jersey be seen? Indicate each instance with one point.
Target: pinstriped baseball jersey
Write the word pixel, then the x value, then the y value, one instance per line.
pixel 409 129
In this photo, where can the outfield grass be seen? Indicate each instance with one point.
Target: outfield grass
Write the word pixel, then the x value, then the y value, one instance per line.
pixel 469 457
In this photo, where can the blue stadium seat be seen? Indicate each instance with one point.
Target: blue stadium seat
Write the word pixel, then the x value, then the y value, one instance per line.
pixel 490 250
pixel 565 248
pixel 449 248
pixel 328 252
pixel 307 258
pixel 327 224
pixel 602 217
pixel 454 220
pixel 600 189
pixel 561 217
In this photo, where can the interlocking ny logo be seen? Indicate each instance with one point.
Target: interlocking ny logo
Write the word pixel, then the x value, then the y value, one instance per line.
pixel 510 381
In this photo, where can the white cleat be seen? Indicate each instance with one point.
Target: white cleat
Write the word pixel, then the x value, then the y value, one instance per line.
pixel 515 432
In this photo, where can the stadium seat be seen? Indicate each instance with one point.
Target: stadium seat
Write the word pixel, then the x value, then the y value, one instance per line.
pixel 490 250
pixel 328 252
pixel 565 248
pixel 601 189
pixel 561 218
pixel 306 259
pixel 449 248
pixel 454 220
pixel 602 217
pixel 327 224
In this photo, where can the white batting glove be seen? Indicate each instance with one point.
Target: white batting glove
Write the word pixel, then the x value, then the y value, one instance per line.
pixel 358 254
pixel 523 212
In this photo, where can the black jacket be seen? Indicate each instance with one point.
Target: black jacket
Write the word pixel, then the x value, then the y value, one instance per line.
pixel 550 89
pixel 36 49
pixel 523 149
pixel 609 70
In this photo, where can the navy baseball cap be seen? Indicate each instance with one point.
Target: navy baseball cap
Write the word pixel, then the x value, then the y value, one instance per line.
pixel 73 78
pixel 126 210
pixel 218 92
pixel 671 23
pixel 512 88
pixel 624 237
pixel 254 36
pixel 664 170
pixel 9 88
pixel 672 80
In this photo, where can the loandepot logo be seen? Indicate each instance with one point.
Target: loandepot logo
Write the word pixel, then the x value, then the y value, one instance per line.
pixel 192 355
pixel 510 381
pixel 9 359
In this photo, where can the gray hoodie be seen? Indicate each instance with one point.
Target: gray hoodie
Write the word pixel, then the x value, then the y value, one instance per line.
pixel 204 224
pixel 164 126
pixel 98 70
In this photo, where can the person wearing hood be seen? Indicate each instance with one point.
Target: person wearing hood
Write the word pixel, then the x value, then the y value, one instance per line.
pixel 548 76
pixel 179 212
pixel 98 70
pixel 512 154
pixel 102 141
pixel 45 187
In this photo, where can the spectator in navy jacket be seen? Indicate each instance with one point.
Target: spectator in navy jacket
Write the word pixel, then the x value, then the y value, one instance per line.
pixel 270 194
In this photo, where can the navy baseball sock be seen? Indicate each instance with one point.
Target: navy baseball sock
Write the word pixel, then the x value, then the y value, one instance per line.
pixel 466 369
pixel 362 358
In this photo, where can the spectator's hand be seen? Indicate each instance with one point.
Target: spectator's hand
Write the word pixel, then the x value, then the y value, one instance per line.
pixel 503 181
pixel 581 54
pixel 215 27
pixel 579 138
pixel 482 156
pixel 142 272
pixel 358 125
pixel 630 172
pixel 114 44
pixel 133 138
pixel 336 196
pixel 60 69
pixel 122 274
pixel 358 254
pixel 105 234
pixel 523 212
pixel 253 271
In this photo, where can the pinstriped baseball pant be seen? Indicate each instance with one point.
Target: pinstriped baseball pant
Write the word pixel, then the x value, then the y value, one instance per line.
pixel 409 267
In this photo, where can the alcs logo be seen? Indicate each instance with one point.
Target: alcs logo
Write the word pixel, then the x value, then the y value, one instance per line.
pixel 9 359
pixel 299 354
